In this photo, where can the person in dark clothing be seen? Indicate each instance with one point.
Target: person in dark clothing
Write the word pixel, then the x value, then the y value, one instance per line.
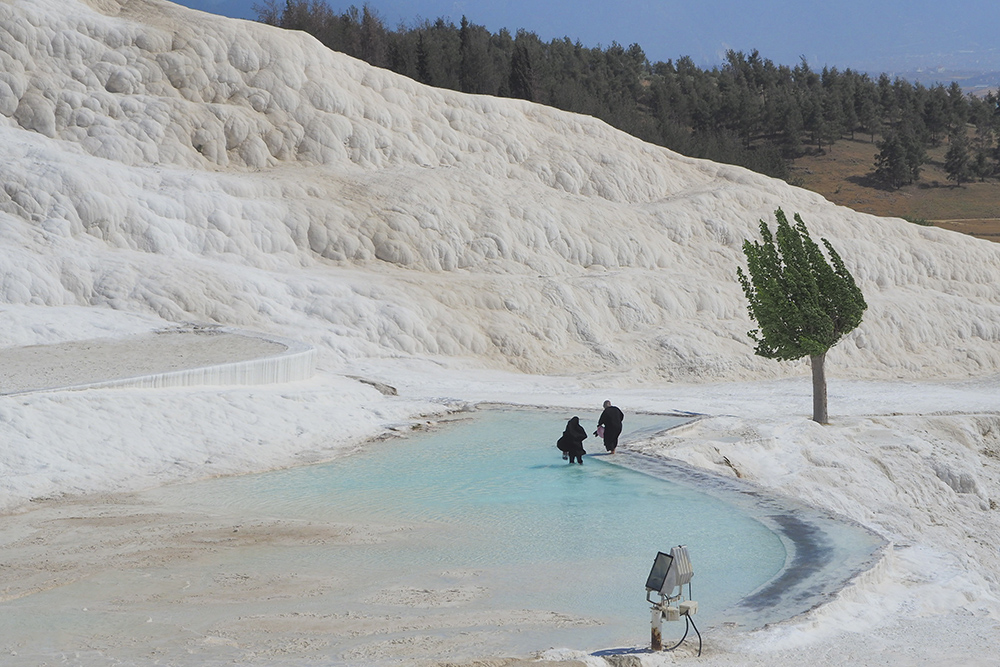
pixel 563 443
pixel 611 419
pixel 571 442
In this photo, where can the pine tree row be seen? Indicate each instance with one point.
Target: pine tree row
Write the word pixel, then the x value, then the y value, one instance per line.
pixel 748 112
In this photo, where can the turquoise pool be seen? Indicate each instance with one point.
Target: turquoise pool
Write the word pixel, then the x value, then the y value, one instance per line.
pixel 467 539
pixel 497 499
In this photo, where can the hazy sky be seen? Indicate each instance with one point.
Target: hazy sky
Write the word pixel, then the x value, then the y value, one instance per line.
pixel 880 35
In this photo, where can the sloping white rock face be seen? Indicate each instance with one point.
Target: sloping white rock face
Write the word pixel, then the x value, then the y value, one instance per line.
pixel 167 162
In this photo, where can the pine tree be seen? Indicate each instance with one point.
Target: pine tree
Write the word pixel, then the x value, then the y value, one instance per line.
pixel 468 65
pixel 916 156
pixel 423 61
pixel 937 112
pixel 522 77
pixel 867 106
pixel 735 113
pixel 957 106
pixel 475 66
pixel 891 167
pixel 802 305
pixel 956 160
pixel 979 165
pixel 374 42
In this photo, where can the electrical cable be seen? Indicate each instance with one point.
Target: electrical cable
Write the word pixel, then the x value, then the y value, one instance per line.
pixel 688 624
pixel 696 632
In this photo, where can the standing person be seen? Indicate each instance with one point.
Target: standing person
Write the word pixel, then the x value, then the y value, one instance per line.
pixel 572 439
pixel 611 419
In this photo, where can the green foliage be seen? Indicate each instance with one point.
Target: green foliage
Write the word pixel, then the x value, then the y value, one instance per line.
pixel 801 303
pixel 890 164
pixel 957 162
pixel 748 112
pixel 899 160
pixel 521 82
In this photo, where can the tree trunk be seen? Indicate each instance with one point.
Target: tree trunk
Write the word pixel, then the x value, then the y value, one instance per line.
pixel 816 361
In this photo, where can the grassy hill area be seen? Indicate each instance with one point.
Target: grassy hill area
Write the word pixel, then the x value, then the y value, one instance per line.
pixel 843 175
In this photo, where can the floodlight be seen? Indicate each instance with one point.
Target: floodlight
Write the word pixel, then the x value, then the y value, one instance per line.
pixel 670 572
pixel 667 578
pixel 658 574
pixel 679 573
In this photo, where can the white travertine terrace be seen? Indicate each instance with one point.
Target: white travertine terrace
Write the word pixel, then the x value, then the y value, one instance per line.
pixel 162 166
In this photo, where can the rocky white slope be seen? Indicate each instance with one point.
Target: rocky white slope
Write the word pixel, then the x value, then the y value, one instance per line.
pixel 163 166
pixel 173 163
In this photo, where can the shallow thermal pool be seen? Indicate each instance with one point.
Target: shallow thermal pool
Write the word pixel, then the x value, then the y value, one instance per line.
pixel 494 496
pixel 497 497
pixel 473 529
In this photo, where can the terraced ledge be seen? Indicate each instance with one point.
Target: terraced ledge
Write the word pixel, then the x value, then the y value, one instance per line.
pixel 176 357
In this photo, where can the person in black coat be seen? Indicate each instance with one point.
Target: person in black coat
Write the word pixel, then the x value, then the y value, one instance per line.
pixel 571 442
pixel 611 419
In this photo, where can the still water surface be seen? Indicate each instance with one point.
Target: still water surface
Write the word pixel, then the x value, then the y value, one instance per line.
pixel 540 533
pixel 470 538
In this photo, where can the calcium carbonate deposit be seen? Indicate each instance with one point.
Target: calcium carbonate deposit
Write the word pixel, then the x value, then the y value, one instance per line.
pixel 164 167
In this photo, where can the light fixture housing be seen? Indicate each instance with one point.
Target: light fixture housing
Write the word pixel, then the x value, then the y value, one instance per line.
pixel 670 572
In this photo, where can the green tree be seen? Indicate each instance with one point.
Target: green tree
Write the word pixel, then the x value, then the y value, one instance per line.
pixel 899 160
pixel 868 110
pixel 747 112
pixel 936 112
pixel 474 66
pixel 522 76
pixel 789 124
pixel 891 167
pixel 916 156
pixel 802 305
pixel 833 106
pixel 979 165
pixel 423 61
pixel 958 107
pixel 374 39
pixel 956 160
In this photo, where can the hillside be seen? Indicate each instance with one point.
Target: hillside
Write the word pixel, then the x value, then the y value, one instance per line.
pixel 231 172
pixel 843 175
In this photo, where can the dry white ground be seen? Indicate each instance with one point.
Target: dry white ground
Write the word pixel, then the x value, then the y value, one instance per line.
pixel 86 362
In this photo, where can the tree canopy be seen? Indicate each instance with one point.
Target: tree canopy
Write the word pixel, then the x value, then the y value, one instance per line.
pixel 802 304
pixel 956 161
pixel 748 111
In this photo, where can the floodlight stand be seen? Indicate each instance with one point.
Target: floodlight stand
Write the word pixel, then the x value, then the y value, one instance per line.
pixel 670 573
pixel 656 629
pixel 657 612
pixel 670 608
